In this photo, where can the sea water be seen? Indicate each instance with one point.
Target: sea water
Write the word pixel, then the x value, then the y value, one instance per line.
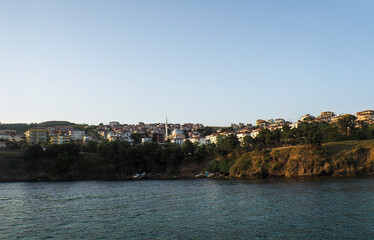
pixel 307 208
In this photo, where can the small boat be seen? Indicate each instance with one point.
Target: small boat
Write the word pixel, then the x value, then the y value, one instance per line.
pixel 135 176
pixel 142 175
pixel 139 176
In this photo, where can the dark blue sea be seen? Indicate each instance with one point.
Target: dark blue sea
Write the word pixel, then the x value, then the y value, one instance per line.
pixel 307 208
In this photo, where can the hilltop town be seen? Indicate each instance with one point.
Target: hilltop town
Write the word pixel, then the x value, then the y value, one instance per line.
pixel 162 132
pixel 327 144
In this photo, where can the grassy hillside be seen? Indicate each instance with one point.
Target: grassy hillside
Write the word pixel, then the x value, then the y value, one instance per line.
pixel 347 158
pixel 23 127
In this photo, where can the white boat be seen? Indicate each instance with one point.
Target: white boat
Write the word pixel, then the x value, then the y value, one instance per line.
pixel 139 176
pixel 135 176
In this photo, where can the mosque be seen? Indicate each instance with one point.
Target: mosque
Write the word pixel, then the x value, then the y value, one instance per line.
pixel 177 136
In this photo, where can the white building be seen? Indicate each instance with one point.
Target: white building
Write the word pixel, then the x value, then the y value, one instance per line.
pixel 146 140
pixel 199 140
pixel 242 135
pixel 5 137
pixel 255 132
pixel 177 137
pixel 114 136
pixel 307 116
pixel 76 135
pixel 213 138
pixel 177 141
pixel 294 125
pixel 280 121
pixel 63 139
pixel 17 139
pixel 195 140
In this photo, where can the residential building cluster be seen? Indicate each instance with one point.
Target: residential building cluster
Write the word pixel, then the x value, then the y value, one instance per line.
pixel 166 132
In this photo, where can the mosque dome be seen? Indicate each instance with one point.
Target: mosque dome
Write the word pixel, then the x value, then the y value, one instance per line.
pixel 177 132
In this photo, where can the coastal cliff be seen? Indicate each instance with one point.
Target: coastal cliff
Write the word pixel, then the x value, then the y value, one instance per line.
pixel 347 158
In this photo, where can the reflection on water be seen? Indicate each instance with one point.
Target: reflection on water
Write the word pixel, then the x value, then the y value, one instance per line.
pixel 313 208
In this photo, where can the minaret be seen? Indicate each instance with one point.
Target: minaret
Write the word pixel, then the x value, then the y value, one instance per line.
pixel 166 128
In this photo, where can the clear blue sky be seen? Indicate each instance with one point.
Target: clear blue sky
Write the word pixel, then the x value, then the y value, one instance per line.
pixel 213 62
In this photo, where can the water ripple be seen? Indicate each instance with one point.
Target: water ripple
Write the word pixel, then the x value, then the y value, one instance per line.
pixel 311 208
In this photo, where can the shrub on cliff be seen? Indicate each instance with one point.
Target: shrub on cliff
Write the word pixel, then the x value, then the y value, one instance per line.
pixel 64 163
pixel 54 150
pixel 90 147
pixel 34 152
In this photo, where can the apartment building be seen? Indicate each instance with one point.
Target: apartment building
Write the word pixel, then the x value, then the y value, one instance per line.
pixel 366 116
pixel 35 136
pixel 76 135
pixel 326 116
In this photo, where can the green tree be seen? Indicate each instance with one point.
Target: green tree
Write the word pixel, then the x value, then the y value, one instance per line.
pixel 233 141
pixel 10 145
pixel 91 147
pixel 188 149
pixel 248 143
pixel 65 162
pixel 136 137
pixel 275 138
pixel 207 131
pixel 34 152
pixel 263 139
pixel 311 133
pixel 288 135
pixel 201 153
pixel 226 145
pixel 346 124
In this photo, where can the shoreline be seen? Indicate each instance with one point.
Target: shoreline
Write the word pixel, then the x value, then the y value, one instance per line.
pixel 227 178
pixel 349 158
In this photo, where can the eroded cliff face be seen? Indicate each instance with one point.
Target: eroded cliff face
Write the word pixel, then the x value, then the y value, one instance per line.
pixel 338 159
pixel 357 160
